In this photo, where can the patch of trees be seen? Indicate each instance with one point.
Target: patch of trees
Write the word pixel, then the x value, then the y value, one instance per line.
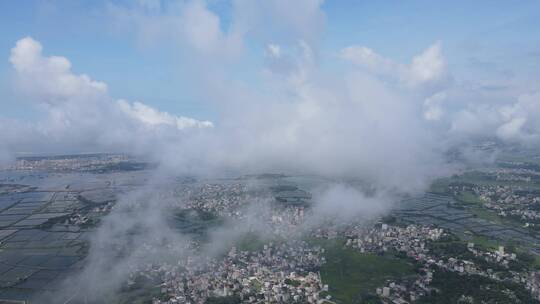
pixel 224 300
pixel 294 283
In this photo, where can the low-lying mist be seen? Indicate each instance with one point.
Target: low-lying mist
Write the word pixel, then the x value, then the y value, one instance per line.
pixel 141 233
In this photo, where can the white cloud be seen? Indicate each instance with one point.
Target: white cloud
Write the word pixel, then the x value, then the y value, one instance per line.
pixel 433 108
pixel 274 50
pixel 514 121
pixel 194 26
pixel 50 77
pixel 347 203
pixel 458 112
pixel 366 57
pixel 202 29
pixel 189 24
pixel 521 120
pixel 512 129
pixel 426 70
pixel 279 20
pixel 79 113
pixel 153 117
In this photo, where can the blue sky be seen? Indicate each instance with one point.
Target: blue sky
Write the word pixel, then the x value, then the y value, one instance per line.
pixel 480 39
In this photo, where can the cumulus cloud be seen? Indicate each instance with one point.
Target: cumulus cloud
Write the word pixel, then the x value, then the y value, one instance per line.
pixel 152 117
pixel 459 112
pixel 433 108
pixel 520 121
pixel 202 28
pixel 514 121
pixel 368 58
pixel 78 111
pixel 201 32
pixel 511 129
pixel 355 126
pixel 190 25
pixel 50 77
pixel 274 50
pixel 280 20
pixel 426 69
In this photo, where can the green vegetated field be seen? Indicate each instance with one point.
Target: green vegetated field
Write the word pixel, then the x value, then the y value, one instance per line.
pixel 353 276
pixel 468 197
pixel 486 243
pixel 452 287
pixel 440 186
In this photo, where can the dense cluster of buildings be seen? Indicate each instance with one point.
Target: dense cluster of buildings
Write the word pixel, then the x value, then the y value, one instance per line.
pixel 515 172
pixel 507 201
pixel 239 202
pixel 68 163
pixel 278 273
pixel 288 273
pixel 284 272
pixel 223 199
pixel 410 239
